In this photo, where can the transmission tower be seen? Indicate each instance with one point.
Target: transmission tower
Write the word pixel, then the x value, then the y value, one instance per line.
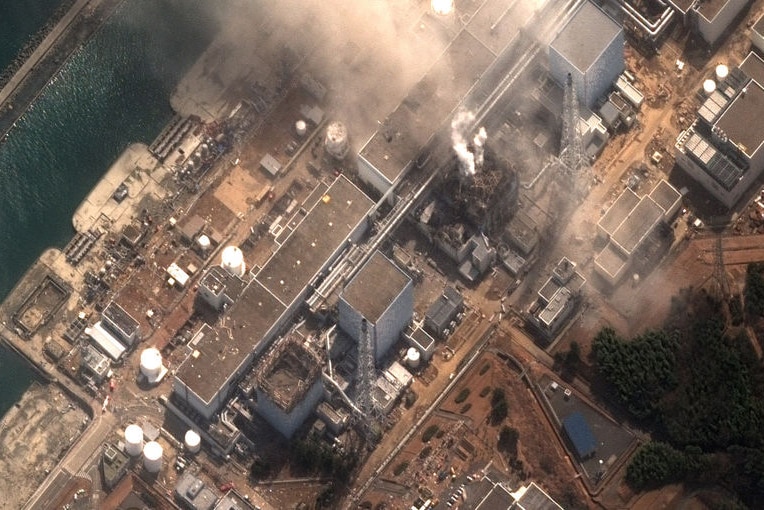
pixel 573 160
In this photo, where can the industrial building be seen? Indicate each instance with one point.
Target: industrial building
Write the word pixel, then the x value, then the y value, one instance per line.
pixel 557 298
pixel 398 146
pixel 335 216
pixel 500 497
pixel 443 312
pixel 382 294
pixel 722 150
pixel 289 385
pixel 710 19
pixel 628 224
pixel 590 49
pixel 193 494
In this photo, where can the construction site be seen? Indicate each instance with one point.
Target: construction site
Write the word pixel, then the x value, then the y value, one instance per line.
pixel 291 283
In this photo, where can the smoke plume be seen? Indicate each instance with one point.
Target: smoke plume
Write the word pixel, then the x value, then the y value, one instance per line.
pixel 460 125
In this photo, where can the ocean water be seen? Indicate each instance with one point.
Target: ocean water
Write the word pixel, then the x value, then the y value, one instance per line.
pixel 114 91
pixel 19 21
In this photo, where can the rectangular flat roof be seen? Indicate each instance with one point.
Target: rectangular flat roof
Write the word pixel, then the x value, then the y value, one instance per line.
pixel 617 212
pixel 743 122
pixel 534 498
pixel 556 306
pixel 638 225
pixel 375 287
pixel 710 8
pixel 498 497
pixel 752 65
pixel 611 261
pixel 217 354
pixel 586 36
pixel 665 195
pixel 323 230
pixel 758 27
pixel 427 106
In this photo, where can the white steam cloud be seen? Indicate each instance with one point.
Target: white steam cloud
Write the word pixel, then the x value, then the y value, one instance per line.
pixel 470 158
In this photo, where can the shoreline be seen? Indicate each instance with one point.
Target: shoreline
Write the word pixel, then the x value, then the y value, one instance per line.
pixel 83 20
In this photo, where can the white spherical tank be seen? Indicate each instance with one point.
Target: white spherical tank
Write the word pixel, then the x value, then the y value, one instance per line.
pixel 300 127
pixel 336 141
pixel 151 362
pixel 709 86
pixel 192 441
pixel 721 72
pixel 152 457
pixel 133 440
pixel 413 357
pixel 233 260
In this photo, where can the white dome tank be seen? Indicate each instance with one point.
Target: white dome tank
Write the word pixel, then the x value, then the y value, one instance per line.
pixel 152 457
pixel 709 86
pixel 232 260
pixel 300 127
pixel 336 141
pixel 192 441
pixel 721 72
pixel 204 242
pixel 413 357
pixel 442 7
pixel 133 440
pixel 151 363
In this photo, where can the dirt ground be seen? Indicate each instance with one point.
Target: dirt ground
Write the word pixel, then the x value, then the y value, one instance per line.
pixel 34 435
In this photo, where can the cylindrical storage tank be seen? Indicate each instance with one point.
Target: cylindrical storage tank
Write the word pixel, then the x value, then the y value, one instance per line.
pixel 442 7
pixel 721 72
pixel 204 242
pixel 413 357
pixel 151 362
pixel 133 440
pixel 709 86
pixel 336 141
pixel 192 441
pixel 300 127
pixel 152 457
pixel 233 260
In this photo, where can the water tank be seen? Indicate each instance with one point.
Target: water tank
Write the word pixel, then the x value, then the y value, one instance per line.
pixel 151 363
pixel 233 261
pixel 133 440
pixel 336 141
pixel 709 86
pixel 413 357
pixel 192 441
pixel 300 127
pixel 721 72
pixel 203 242
pixel 152 457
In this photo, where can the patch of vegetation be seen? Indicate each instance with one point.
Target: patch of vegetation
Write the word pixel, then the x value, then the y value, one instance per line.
pixel 426 451
pixel 485 391
pixel 484 369
pixel 640 371
pixel 429 432
pixel 508 440
pixel 499 406
pixel 754 290
pixel 462 396
pixel 316 456
pixel 400 468
pixel 466 407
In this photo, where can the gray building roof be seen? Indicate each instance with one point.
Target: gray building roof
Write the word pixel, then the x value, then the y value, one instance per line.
pixel 375 287
pixel 617 212
pixel 193 493
pixel 638 225
pixel 443 310
pixel 586 36
pixel 743 121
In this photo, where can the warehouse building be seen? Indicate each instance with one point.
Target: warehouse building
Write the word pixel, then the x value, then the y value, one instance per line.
pixel 590 49
pixel 557 298
pixel 443 312
pixel 722 150
pixel 709 18
pixel 382 294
